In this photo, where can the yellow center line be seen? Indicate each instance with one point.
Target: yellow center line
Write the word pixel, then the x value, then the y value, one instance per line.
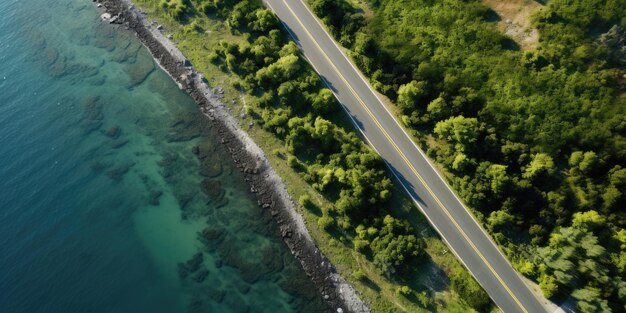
pixel 406 160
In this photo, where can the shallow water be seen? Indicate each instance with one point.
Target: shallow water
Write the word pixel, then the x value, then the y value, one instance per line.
pixel 108 174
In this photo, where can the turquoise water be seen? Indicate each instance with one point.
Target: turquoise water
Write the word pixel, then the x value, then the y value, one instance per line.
pixel 102 198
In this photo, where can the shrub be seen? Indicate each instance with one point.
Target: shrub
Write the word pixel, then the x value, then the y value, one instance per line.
pixel 292 161
pixel 404 291
pixel 305 201
pixel 359 275
pixel 361 245
pixel 325 222
pixel 469 290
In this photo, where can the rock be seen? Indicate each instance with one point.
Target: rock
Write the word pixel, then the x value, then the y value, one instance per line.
pixel 59 67
pixel 140 70
pixel 113 132
pixel 184 80
pixel 160 27
pixel 153 198
pixel 186 63
pixel 339 310
pixel 211 234
pixel 210 167
pixel 92 109
pixel 118 143
pixel 51 55
pixel 191 266
pixel 217 295
pixel 105 17
pixel 201 276
pixel 98 166
pixel 188 126
pixel 213 189
pixel 118 171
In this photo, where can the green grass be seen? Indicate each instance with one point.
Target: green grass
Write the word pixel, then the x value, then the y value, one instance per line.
pixel 378 290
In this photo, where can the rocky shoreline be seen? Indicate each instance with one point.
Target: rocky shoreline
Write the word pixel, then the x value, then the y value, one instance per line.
pixel 269 189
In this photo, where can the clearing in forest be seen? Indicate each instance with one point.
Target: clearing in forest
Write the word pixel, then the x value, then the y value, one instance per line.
pixel 515 20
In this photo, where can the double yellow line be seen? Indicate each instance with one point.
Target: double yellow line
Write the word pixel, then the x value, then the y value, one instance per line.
pixel 406 160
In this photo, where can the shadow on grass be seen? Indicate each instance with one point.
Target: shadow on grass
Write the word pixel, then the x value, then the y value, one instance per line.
pixel 370 284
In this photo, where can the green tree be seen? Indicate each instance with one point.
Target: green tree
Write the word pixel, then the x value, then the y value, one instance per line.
pixel 265 21
pixel 410 94
pixel 460 130
pixel 499 179
pixel 282 70
pixel 439 109
pixel 324 101
pixel 541 166
pixel 589 300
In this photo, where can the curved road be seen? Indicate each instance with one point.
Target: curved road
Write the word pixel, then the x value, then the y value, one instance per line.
pixel 433 196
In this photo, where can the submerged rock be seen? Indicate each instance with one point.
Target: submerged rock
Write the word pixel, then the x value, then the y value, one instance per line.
pixel 139 71
pixel 201 276
pixel 204 149
pixel 59 67
pixel 97 81
pixel 105 38
pixel 213 188
pixel 98 166
pixel 191 266
pixel 51 55
pixel 188 126
pixel 210 167
pixel 153 197
pixel 113 132
pixel 118 171
pixel 118 143
pixel 211 234
pixel 217 295
pixel 92 108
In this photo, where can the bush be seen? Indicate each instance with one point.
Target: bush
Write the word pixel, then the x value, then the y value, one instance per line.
pixel 423 299
pixel 325 222
pixel 359 275
pixel 213 57
pixel 292 161
pixel 360 245
pixel 404 291
pixel 305 201
pixel 469 290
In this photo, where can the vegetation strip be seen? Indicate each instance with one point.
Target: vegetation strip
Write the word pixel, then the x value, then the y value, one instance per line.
pixel 263 181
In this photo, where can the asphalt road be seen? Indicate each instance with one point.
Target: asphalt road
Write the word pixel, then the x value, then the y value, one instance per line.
pixel 433 196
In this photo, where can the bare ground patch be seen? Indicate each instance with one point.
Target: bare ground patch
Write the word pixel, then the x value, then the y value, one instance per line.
pixel 515 20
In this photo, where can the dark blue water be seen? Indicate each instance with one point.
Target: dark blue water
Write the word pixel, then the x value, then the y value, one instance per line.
pixel 101 196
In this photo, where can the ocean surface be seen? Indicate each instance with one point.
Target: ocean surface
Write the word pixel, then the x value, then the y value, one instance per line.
pixel 115 194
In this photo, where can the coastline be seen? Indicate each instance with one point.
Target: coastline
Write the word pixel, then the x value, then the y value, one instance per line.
pixel 268 187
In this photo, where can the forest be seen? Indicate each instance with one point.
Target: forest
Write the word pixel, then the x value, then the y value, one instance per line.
pixel 532 141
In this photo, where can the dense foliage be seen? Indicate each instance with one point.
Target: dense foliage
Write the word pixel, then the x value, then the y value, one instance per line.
pixel 289 100
pixel 532 140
